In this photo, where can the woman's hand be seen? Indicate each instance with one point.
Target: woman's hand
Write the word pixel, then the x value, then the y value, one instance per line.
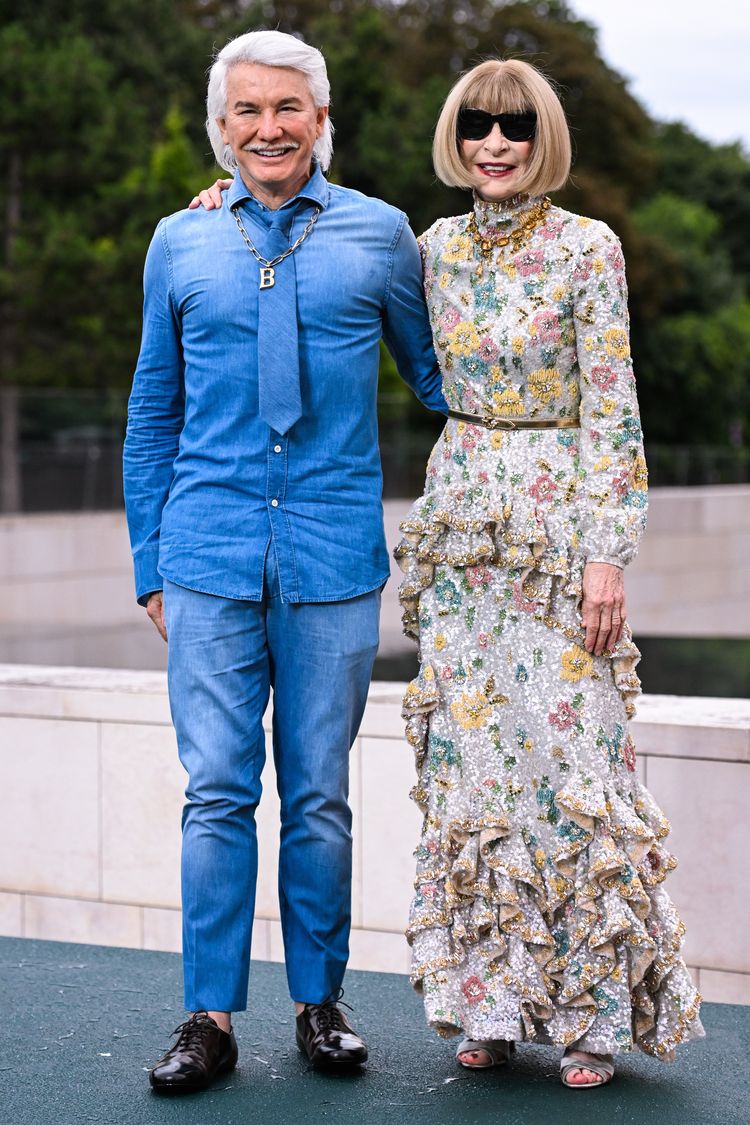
pixel 210 197
pixel 603 608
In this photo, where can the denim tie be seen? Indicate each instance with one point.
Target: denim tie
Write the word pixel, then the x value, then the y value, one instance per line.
pixel 279 399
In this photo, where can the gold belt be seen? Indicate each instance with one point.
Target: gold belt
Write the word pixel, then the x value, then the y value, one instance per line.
pixel 517 424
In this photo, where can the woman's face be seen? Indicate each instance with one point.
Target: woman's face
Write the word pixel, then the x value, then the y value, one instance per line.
pixel 495 164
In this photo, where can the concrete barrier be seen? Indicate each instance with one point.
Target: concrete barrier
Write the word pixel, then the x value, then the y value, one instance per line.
pixel 90 839
pixel 69 598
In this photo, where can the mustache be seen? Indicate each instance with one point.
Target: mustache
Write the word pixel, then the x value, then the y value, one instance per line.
pixel 270 148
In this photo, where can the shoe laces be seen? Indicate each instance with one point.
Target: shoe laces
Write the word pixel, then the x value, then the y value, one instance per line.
pixel 328 1015
pixel 193 1030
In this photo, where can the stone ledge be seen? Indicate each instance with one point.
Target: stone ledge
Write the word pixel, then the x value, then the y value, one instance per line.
pixel 665 725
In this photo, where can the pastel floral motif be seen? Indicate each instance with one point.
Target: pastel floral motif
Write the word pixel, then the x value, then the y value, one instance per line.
pixel 545 327
pixel 602 376
pixel 447 592
pixel 545 384
pixel 615 258
pixel 520 601
pixel 576 664
pixel 457 248
pixel 449 319
pixel 488 350
pixel 550 230
pixel 464 339
pixel 518 345
pixel 639 474
pixel 543 489
pixel 478 576
pixel 563 717
pixel 473 990
pixel 616 342
pixel 472 710
pixel 507 403
pixel 582 272
pixel 440 642
pixel 621 483
pixel 529 262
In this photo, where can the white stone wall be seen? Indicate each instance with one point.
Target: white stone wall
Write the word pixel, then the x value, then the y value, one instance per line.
pixel 68 585
pixel 89 836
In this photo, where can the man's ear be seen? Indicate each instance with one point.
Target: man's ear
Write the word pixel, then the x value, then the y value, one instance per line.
pixel 321 115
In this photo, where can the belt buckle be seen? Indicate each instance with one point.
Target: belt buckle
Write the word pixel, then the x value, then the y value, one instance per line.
pixel 502 424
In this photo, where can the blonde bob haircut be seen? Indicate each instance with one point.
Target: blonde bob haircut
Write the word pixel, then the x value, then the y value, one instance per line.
pixel 506 86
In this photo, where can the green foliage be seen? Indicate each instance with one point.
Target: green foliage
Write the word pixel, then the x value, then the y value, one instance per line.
pixel 102 133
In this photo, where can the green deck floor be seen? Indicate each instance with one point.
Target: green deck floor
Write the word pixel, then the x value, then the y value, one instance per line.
pixel 82 1023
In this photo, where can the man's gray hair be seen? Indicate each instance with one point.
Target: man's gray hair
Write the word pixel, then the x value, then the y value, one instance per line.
pixel 269 48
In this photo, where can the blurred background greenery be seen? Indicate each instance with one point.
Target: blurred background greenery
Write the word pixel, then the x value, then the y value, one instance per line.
pixel 101 133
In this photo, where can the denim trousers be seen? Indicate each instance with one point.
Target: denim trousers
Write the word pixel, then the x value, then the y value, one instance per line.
pixel 225 656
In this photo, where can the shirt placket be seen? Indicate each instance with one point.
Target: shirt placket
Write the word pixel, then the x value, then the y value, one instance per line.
pixel 276 483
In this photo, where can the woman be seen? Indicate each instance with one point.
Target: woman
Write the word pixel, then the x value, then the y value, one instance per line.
pixel 539 912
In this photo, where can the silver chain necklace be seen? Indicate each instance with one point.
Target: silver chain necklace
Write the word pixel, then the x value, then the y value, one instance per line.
pixel 267 273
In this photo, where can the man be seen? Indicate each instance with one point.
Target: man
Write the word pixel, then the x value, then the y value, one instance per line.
pixel 252 485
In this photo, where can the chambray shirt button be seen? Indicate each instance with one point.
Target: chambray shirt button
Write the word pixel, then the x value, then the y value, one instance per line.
pixel 274 503
pixel 277 449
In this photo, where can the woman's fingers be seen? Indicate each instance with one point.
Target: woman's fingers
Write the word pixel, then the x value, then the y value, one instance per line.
pixel 603 607
pixel 210 197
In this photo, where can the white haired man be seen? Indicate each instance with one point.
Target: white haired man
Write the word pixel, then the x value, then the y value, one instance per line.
pixel 253 495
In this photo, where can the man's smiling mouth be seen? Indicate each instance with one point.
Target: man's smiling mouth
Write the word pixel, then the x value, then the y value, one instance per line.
pixel 271 152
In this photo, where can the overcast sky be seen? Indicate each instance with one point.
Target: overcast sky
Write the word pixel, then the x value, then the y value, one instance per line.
pixel 686 61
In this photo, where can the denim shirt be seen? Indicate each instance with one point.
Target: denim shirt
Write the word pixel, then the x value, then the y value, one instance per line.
pixel 208 485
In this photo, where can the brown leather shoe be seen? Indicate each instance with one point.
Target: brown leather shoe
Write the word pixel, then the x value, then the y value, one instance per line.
pixel 326 1037
pixel 202 1052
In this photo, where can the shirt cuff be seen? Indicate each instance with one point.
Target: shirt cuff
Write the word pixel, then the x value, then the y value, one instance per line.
pixel 147 577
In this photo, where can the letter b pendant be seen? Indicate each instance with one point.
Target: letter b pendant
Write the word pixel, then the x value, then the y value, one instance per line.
pixel 266 277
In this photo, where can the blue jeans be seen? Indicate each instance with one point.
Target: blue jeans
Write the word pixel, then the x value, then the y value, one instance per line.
pixel 224 657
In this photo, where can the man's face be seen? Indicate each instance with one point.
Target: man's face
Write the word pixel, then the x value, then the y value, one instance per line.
pixel 271 125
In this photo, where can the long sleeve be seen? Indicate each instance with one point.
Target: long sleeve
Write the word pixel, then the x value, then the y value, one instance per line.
pixel 612 465
pixel 155 418
pixel 406 324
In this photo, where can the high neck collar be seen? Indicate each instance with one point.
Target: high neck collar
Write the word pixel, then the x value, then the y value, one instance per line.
pixel 505 214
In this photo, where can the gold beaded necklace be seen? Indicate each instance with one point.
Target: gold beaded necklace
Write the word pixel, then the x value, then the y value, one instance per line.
pixel 517 238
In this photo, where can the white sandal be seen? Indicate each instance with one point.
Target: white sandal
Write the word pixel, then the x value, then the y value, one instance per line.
pixel 499 1051
pixel 597 1064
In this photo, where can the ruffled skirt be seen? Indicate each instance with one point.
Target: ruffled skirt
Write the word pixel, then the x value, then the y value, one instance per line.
pixel 539 911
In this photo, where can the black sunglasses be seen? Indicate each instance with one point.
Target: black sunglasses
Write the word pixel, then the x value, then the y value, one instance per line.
pixel 476 124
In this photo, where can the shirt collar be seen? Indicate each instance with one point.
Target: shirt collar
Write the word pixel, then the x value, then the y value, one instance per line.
pixel 316 190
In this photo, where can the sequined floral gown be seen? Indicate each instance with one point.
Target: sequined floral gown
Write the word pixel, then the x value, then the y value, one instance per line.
pixel 540 911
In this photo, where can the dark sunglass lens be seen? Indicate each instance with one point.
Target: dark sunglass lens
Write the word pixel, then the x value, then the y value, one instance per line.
pixel 518 126
pixel 473 124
